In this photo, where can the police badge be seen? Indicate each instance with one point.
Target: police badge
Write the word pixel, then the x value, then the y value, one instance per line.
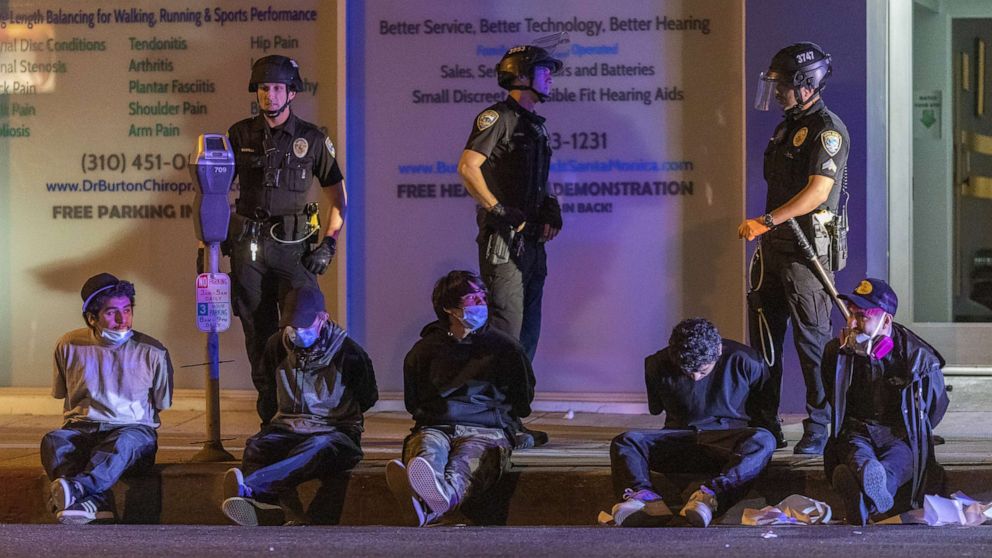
pixel 300 147
pixel 800 136
pixel 486 119
pixel 831 141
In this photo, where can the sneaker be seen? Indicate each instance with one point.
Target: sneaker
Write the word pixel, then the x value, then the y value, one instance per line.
pixel 64 494
pixel 847 487
pixel 526 438
pixel 642 508
pixel 699 510
pixel 234 484
pixel 812 443
pixel 426 485
pixel 86 510
pixel 399 485
pixel 876 489
pixel 252 513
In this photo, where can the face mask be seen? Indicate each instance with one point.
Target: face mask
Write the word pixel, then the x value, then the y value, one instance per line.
pixel 864 344
pixel 474 317
pixel 115 337
pixel 303 338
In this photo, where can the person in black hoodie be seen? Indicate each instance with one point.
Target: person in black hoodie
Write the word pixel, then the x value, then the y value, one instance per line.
pixel 324 381
pixel 464 383
pixel 887 389
pixel 714 393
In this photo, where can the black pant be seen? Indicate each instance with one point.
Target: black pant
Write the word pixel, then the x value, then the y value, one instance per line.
pixel 859 443
pixel 276 461
pixel 791 290
pixel 96 455
pixel 516 289
pixel 259 288
pixel 736 457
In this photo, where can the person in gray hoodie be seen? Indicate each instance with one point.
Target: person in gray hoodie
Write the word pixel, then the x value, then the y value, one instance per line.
pixel 466 385
pixel 324 383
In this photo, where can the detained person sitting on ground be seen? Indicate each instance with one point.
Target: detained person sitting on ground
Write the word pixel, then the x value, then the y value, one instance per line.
pixel 114 381
pixel 712 391
pixel 464 382
pixel 324 382
pixel 887 390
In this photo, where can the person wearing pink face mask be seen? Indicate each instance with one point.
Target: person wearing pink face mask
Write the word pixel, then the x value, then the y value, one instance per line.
pixel 887 390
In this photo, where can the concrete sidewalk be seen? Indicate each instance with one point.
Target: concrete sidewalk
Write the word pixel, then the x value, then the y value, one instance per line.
pixel 566 482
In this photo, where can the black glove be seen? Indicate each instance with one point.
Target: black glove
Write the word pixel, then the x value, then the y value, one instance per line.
pixel 550 212
pixel 508 215
pixel 320 257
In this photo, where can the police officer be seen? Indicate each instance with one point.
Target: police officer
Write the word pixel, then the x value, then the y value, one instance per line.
pixel 505 168
pixel 804 165
pixel 273 230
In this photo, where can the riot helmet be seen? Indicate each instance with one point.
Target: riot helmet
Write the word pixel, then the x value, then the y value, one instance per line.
pixel 276 69
pixel 521 61
pixel 797 66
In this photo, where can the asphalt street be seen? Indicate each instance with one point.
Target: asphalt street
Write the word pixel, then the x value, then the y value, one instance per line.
pixel 768 542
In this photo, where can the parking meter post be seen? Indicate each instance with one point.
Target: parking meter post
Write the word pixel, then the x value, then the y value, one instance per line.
pixel 213 172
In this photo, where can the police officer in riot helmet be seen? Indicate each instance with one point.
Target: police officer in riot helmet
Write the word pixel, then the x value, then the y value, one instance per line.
pixel 504 166
pixel 805 169
pixel 274 241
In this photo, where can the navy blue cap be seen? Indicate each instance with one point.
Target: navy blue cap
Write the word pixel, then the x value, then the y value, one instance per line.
pixel 301 307
pixel 874 293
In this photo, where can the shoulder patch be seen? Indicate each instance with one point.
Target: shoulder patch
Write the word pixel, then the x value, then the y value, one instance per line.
pixel 486 119
pixel 330 147
pixel 800 136
pixel 300 147
pixel 832 141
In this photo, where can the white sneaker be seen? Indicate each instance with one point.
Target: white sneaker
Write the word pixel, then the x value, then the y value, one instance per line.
pixel 425 483
pixel 252 513
pixel 642 508
pixel 399 485
pixel 699 510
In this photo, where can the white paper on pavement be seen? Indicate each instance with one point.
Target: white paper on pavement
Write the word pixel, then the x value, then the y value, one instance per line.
pixel 794 510
pixel 959 509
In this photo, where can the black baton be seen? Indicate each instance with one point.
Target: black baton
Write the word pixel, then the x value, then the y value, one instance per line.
pixel 807 250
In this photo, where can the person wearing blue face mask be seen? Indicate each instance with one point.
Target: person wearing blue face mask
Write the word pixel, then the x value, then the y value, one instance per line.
pixel 114 381
pixel 324 382
pixel 466 384
pixel 887 389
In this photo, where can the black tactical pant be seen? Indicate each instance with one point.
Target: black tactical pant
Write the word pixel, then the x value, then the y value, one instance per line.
pixel 791 290
pixel 734 457
pixel 859 442
pixel 516 289
pixel 259 288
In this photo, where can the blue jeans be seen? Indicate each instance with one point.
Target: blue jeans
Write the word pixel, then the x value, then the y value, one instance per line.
pixel 859 443
pixel 467 459
pixel 96 455
pixel 277 461
pixel 736 456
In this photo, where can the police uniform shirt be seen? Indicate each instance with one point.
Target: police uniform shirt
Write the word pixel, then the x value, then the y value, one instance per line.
pixel 297 148
pixel 814 143
pixel 716 402
pixel 518 155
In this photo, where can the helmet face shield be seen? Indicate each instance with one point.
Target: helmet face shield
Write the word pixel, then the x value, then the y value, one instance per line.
pixel 765 92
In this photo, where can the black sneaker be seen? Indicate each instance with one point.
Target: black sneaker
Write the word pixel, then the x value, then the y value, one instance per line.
pixel 425 484
pixel 64 494
pixel 812 443
pixel 876 489
pixel 847 487
pixel 526 438
pixel 85 511
pixel 399 484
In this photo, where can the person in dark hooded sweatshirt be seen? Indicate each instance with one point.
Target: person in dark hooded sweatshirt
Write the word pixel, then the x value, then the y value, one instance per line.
pixel 464 383
pixel 324 383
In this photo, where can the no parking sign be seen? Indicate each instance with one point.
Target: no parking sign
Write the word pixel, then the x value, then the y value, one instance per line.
pixel 213 302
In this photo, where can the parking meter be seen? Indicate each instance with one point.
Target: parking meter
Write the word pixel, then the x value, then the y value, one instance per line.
pixel 213 171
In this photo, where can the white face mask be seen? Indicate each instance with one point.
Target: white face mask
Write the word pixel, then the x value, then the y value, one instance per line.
pixel 115 337
pixel 861 343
